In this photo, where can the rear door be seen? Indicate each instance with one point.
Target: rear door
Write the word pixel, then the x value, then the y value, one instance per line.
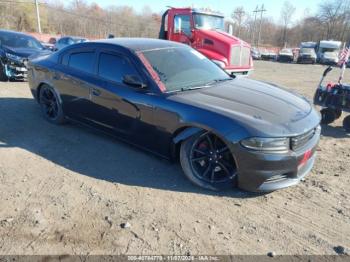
pixel 74 79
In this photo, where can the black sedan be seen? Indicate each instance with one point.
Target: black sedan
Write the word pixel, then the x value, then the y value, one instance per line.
pixel 167 98
pixel 15 50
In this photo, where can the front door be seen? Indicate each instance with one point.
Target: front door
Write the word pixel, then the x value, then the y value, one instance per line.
pixel 119 108
pixel 182 29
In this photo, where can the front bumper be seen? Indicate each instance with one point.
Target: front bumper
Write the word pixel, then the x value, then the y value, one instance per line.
pixel 285 58
pixel 326 61
pixel 264 172
pixel 15 70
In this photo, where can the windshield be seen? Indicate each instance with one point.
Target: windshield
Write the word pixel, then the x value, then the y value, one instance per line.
pixel 203 21
pixel 287 51
pixel 307 50
pixel 19 41
pixel 79 40
pixel 183 68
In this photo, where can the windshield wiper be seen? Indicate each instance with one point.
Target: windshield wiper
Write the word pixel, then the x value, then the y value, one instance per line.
pixel 189 88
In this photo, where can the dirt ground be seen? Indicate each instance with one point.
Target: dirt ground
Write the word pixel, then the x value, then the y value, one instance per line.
pixel 67 190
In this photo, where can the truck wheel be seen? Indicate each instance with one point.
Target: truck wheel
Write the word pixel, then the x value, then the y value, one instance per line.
pixel 208 162
pixel 346 124
pixel 3 76
pixel 328 116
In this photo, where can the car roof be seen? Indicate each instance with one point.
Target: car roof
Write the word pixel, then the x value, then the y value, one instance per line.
pixel 73 37
pixel 139 44
pixel 15 33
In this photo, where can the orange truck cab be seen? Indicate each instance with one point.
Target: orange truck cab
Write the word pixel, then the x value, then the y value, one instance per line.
pixel 205 32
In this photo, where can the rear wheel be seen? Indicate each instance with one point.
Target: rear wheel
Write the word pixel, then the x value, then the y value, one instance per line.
pixel 50 105
pixel 3 76
pixel 208 162
pixel 328 116
pixel 346 124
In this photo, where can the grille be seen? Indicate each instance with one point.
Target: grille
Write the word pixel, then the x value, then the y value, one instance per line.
pixel 298 142
pixel 240 56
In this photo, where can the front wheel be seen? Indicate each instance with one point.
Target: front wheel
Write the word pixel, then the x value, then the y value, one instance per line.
pixel 208 162
pixel 346 124
pixel 3 76
pixel 50 105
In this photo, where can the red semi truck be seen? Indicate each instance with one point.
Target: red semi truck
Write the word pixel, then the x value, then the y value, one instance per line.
pixel 204 31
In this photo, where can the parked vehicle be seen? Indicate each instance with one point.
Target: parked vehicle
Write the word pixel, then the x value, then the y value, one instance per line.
pixel 15 50
pixel 329 58
pixel 68 40
pixel 334 98
pixel 204 31
pixel 256 54
pixel 307 55
pixel 285 55
pixel 47 45
pixel 328 52
pixel 225 131
pixel 268 55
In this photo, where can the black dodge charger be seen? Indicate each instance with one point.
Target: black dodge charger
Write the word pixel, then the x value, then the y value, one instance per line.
pixel 169 99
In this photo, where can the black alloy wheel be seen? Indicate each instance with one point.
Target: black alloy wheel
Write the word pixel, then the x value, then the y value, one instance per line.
pixel 208 162
pixel 346 124
pixel 3 76
pixel 50 105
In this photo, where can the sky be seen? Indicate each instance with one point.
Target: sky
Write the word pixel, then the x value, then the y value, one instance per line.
pixel 226 7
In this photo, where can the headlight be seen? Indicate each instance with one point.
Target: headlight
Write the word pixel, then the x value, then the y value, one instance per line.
pixel 13 57
pixel 267 144
pixel 219 63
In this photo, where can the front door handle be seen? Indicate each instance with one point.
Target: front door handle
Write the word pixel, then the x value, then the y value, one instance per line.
pixel 95 92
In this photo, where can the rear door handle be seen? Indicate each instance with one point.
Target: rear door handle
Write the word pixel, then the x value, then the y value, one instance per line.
pixel 95 92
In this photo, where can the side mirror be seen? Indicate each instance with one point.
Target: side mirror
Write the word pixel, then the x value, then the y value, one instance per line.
pixel 328 69
pixel 133 80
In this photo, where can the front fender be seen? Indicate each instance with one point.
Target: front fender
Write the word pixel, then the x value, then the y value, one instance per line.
pixel 183 135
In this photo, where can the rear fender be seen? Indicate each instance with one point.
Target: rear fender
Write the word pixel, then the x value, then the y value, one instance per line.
pixel 49 84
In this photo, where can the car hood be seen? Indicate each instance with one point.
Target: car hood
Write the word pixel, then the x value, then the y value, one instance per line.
pixel 330 55
pixel 221 36
pixel 285 54
pixel 25 52
pixel 262 108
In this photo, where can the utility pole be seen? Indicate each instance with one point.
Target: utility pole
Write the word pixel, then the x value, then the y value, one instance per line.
pixel 252 38
pixel 38 15
pixel 262 10
pixel 239 14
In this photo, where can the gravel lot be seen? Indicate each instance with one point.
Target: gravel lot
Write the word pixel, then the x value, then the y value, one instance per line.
pixel 66 189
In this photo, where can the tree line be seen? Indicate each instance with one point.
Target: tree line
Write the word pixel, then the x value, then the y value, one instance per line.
pixel 331 20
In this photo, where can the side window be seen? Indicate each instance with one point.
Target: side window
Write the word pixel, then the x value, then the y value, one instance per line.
pixel 70 41
pixel 83 61
pixel 65 59
pixel 182 23
pixel 114 67
pixel 62 41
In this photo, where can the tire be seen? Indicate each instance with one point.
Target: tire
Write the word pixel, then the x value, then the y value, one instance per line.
pixel 328 116
pixel 50 105
pixel 3 76
pixel 346 124
pixel 338 113
pixel 223 167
